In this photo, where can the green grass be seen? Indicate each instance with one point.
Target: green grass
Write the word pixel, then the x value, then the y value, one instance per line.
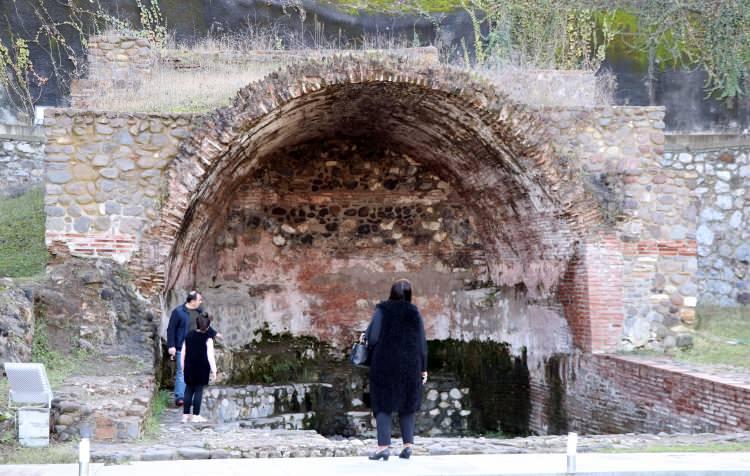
pixel 159 404
pixel 722 337
pixel 22 249
pixel 59 366
pixel 54 454
pixel 707 448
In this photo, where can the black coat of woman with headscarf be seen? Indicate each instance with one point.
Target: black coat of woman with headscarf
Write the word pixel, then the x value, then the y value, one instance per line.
pixel 398 366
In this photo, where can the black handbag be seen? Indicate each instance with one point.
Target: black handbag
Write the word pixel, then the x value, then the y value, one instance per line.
pixel 359 356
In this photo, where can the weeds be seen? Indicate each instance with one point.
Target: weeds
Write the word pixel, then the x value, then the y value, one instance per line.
pixel 691 448
pixel 182 91
pixel 22 249
pixel 57 365
pixel 57 454
pixel 722 337
pixel 151 425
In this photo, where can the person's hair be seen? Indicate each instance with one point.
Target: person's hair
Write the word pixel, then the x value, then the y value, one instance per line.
pixel 401 291
pixel 203 321
pixel 192 296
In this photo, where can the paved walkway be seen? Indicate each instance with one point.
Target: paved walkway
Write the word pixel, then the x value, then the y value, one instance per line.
pixel 176 441
pixel 683 464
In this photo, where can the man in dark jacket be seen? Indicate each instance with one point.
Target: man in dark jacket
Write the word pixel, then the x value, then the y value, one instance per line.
pixel 179 323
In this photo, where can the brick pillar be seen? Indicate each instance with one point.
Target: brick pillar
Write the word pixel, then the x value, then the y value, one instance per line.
pixel 592 295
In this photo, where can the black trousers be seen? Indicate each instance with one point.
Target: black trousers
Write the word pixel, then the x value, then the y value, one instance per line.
pixel 193 397
pixel 406 421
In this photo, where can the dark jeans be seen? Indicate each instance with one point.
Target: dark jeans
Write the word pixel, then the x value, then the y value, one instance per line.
pixel 193 396
pixel 405 421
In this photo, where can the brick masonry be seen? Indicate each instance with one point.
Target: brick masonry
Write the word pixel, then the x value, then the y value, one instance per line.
pixel 553 229
pixel 543 187
pixel 609 394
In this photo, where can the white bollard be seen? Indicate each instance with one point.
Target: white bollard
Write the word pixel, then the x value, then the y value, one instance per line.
pixel 572 448
pixel 84 456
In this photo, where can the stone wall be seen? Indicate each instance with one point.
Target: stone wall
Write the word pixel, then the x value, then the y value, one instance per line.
pixel 617 394
pixel 113 61
pixel 718 172
pixel 643 267
pixel 21 159
pixel 104 180
pixel 446 409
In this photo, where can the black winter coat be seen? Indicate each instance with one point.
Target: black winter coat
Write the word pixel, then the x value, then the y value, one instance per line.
pixel 197 368
pixel 398 358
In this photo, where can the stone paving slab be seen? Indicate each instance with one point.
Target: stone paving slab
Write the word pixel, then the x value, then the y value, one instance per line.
pixel 665 464
pixel 205 440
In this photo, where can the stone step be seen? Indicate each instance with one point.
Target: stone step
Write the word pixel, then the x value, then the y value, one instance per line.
pixel 284 421
pixel 109 406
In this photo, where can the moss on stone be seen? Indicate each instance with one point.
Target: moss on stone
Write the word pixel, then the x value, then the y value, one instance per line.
pixel 557 418
pixel 279 359
pixel 22 249
pixel 498 382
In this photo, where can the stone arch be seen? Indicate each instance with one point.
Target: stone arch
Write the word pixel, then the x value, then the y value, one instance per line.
pixel 533 209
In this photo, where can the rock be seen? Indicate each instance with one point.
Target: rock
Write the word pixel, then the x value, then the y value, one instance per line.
pixel 669 342
pixel 16 323
pixel 193 453
pixel 86 345
pixel 109 172
pixel 112 208
pixel 102 223
pixel 84 172
pixel 125 165
pixel 742 253
pixel 58 175
pixel 684 340
pixel 704 235
pixel 158 455
pixel 726 157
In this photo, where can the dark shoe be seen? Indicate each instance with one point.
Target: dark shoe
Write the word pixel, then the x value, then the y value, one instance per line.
pixel 180 402
pixel 380 455
pixel 405 453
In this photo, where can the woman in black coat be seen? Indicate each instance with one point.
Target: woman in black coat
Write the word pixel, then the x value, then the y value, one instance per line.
pixel 398 366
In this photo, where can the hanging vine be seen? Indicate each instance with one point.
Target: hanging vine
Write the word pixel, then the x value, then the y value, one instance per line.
pixel 727 38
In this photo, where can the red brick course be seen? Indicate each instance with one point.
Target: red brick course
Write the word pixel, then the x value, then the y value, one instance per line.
pixel 620 394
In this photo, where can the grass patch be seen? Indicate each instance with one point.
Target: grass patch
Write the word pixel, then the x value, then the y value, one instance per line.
pixel 722 337
pixel 55 454
pixel 158 405
pixel 59 366
pixel 707 448
pixel 22 249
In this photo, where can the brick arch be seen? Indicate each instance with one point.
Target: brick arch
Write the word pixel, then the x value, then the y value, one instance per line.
pixel 495 152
